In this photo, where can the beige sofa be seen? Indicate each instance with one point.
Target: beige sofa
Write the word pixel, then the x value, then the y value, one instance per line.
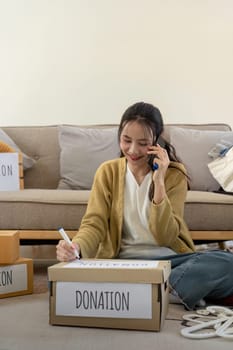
pixel 39 209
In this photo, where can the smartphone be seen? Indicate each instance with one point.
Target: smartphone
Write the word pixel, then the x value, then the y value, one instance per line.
pixel 151 157
pixel 153 166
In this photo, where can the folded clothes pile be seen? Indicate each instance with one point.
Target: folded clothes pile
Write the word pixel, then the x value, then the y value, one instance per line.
pixel 220 149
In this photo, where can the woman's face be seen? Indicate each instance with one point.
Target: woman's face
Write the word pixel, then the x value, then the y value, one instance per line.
pixel 135 141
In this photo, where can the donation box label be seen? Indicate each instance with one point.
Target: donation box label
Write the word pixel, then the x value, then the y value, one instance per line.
pixel 111 300
pixel 9 172
pixel 13 278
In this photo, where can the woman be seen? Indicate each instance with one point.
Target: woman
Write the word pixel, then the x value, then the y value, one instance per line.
pixel 135 211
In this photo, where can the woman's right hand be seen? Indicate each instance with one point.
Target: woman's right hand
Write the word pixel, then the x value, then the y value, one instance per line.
pixel 66 252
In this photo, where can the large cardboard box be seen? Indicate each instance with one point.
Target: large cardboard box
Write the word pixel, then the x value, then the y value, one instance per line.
pixel 9 247
pixel 16 279
pixel 126 294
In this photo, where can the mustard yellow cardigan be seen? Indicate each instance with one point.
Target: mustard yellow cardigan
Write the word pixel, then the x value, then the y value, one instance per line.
pixel 100 231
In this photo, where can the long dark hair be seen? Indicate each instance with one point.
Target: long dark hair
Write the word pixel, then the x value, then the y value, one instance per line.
pixel 151 118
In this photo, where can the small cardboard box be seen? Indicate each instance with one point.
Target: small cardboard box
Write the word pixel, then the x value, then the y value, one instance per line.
pixel 9 247
pixel 16 279
pixel 125 294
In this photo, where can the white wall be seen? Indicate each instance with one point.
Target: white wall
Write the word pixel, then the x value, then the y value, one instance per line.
pixel 86 61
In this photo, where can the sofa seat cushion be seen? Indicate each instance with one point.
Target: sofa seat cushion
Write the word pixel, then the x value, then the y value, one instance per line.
pixel 208 211
pixel 48 209
pixel 42 209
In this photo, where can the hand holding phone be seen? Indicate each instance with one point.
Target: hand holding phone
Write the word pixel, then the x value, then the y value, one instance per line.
pixel 159 152
pixel 162 161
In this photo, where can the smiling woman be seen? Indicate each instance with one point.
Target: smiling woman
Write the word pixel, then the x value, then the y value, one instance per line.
pixel 134 212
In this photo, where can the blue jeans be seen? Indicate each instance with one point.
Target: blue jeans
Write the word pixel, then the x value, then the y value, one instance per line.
pixel 202 275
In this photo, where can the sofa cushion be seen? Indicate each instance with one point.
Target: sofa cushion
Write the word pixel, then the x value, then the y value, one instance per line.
pixel 49 209
pixel 27 161
pixel 192 147
pixel 208 211
pixel 42 209
pixel 82 151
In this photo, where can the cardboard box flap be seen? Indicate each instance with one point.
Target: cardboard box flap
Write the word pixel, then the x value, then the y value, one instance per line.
pixel 112 270
pixel 9 247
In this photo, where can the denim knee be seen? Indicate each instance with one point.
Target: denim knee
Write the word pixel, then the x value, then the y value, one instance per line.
pixel 203 275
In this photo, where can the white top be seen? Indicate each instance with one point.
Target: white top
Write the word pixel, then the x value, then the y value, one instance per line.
pixel 137 240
